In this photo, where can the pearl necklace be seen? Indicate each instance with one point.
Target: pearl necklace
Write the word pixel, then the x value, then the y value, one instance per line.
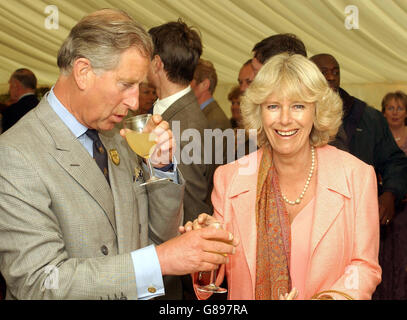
pixel 311 171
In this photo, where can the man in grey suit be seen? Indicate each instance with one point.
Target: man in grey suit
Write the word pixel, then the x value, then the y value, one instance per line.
pixel 69 230
pixel 177 49
pixel 204 85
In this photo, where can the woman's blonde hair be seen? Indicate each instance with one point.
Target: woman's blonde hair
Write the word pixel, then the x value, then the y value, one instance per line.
pixel 297 78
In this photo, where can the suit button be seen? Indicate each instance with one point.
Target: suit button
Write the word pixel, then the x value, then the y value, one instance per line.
pixel 104 250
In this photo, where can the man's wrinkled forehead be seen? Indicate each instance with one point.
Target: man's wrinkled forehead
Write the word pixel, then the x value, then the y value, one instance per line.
pixel 246 72
pixel 326 61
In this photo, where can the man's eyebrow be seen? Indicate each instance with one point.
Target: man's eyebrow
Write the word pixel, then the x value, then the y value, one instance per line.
pixel 129 81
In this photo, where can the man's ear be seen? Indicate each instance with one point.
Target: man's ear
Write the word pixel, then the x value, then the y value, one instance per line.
pixel 157 64
pixel 206 83
pixel 18 86
pixel 82 73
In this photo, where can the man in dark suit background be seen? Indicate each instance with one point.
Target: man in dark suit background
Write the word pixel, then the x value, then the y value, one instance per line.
pixel 369 138
pixel 204 85
pixel 22 90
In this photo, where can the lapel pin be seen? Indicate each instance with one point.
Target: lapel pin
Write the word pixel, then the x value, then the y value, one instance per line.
pixel 114 155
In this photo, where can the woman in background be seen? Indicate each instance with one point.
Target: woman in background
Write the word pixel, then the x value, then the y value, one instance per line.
pixel 394 110
pixel 393 238
pixel 234 98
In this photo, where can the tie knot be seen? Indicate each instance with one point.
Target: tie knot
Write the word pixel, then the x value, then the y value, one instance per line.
pixel 93 134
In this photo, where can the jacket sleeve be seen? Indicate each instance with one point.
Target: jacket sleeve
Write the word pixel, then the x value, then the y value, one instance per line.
pixel 165 209
pixel 363 273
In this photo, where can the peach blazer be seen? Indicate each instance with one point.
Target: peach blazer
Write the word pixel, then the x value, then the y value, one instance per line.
pixel 344 242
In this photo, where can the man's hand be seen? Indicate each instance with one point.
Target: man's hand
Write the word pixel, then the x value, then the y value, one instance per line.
pixel 197 250
pixel 386 207
pixel 165 146
pixel 202 221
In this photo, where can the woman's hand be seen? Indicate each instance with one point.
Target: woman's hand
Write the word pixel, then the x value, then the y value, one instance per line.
pixel 290 296
pixel 202 221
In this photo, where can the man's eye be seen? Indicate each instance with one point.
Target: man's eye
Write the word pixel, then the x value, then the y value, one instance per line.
pixel 127 85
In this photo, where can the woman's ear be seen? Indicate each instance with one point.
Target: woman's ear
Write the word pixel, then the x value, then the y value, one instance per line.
pixel 83 73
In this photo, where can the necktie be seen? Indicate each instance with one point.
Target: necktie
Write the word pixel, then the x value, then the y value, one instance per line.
pixel 99 152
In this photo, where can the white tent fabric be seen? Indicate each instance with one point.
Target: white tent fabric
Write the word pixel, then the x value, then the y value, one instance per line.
pixel 372 54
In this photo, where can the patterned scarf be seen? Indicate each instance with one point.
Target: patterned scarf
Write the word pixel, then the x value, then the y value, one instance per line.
pixel 273 234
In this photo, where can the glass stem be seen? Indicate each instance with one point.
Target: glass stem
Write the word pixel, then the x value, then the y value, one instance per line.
pixel 150 168
pixel 214 274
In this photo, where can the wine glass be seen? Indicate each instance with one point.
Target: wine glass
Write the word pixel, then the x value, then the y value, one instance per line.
pixel 212 287
pixel 141 140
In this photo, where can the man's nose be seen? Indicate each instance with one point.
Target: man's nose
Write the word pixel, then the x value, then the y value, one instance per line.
pixel 243 86
pixel 329 75
pixel 132 100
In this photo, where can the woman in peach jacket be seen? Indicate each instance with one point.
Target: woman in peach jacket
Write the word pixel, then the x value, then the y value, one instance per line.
pixel 305 213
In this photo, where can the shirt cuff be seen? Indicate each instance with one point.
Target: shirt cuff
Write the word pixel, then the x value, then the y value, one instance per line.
pixel 149 280
pixel 172 175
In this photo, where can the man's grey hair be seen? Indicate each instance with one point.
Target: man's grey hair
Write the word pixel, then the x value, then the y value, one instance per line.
pixel 102 37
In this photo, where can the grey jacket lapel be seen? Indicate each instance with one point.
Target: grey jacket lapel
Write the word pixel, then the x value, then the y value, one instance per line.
pixel 74 158
pixel 121 182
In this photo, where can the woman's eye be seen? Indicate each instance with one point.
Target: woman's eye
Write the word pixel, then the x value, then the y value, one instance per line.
pixel 272 107
pixel 298 107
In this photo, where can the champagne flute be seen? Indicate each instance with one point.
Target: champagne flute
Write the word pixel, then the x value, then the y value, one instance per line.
pixel 141 140
pixel 212 287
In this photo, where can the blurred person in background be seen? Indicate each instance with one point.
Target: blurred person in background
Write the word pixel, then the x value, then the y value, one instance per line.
pixel 204 85
pixel 22 85
pixel 394 106
pixel 246 75
pixel 369 138
pixel 393 241
pixel 234 98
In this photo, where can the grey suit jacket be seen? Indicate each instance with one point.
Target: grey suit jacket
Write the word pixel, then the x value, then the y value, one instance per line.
pixel 199 177
pixel 216 117
pixel 57 210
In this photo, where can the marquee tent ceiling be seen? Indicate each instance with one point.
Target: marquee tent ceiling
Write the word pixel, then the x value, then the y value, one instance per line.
pixel 373 53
